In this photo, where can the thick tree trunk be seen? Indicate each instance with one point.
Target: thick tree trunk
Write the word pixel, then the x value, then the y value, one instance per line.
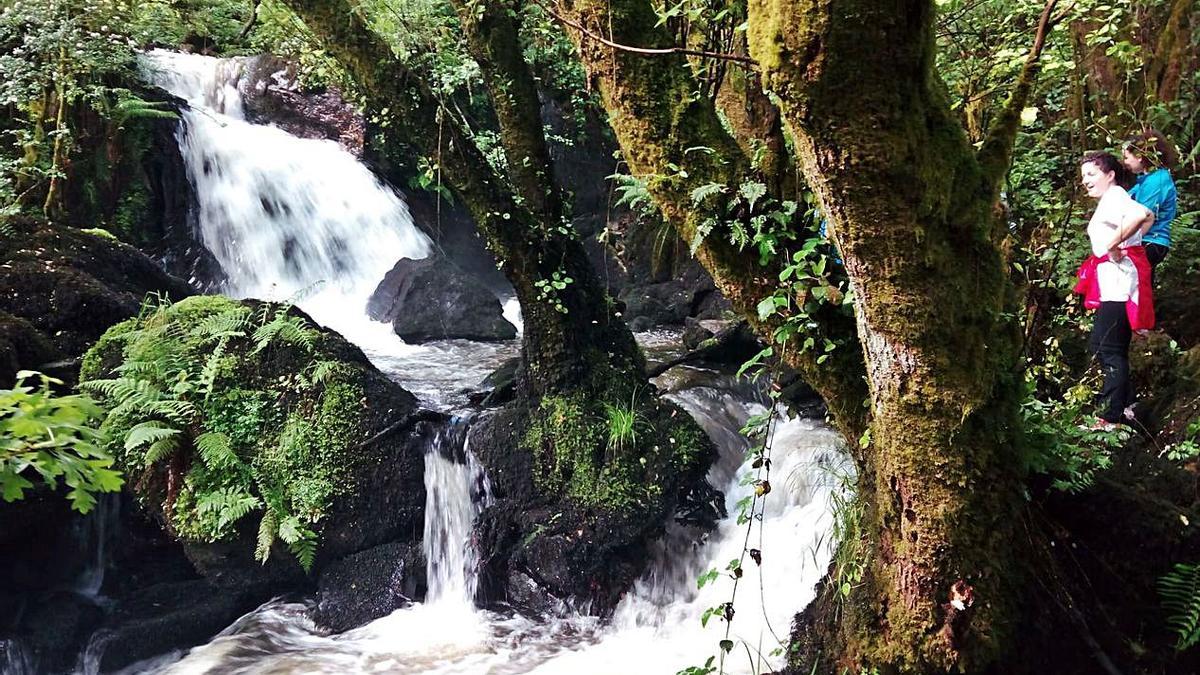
pixel 672 137
pixel 911 209
pixel 492 31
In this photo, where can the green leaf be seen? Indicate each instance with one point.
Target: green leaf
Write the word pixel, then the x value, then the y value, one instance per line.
pixel 766 308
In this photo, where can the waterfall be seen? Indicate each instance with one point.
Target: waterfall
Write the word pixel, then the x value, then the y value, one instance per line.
pixel 457 491
pixel 93 533
pixel 287 218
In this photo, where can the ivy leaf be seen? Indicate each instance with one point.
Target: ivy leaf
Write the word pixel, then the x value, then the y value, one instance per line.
pixel 766 308
pixel 706 578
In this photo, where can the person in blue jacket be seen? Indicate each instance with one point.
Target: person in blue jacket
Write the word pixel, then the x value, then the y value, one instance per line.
pixel 1150 156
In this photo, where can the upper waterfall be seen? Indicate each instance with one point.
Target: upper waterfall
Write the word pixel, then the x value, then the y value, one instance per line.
pixel 287 218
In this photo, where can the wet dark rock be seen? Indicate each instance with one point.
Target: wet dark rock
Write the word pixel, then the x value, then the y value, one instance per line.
pixel 500 386
pixel 59 624
pixel 538 549
pixel 169 616
pixel 71 286
pixel 431 299
pixel 273 95
pixel 369 585
pixel 22 347
pixel 665 284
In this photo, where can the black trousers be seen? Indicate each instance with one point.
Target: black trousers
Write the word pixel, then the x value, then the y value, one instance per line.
pixel 1156 253
pixel 1110 345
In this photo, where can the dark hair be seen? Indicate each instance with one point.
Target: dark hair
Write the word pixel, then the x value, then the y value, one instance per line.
pixel 1107 162
pixel 1153 147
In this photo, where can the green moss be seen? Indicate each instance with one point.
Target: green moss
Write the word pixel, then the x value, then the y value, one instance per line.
pixel 106 351
pixel 574 454
pixel 100 232
pixel 132 212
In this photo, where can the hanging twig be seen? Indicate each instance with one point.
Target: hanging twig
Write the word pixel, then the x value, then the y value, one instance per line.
pixel 647 51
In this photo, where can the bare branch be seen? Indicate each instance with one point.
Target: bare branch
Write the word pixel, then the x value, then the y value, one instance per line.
pixel 645 51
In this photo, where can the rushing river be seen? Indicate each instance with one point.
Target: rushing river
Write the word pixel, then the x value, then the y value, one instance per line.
pixel 289 218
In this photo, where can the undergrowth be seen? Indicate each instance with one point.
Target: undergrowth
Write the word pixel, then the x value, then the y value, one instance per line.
pixel 223 410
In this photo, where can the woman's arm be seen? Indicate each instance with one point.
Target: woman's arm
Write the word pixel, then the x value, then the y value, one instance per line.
pixel 1132 218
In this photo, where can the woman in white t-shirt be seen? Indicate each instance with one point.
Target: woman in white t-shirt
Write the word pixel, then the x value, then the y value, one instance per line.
pixel 1111 279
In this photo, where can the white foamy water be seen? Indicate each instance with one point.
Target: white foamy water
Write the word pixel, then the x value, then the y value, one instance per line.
pixel 655 629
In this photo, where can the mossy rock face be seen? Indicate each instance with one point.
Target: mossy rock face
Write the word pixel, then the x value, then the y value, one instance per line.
pixel 251 435
pixel 578 501
pixel 22 347
pixel 1176 286
pixel 71 286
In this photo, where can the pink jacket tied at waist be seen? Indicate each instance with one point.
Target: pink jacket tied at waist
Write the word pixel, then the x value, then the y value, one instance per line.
pixel 1140 306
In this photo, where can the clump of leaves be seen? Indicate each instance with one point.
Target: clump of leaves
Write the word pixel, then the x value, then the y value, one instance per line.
pixel 54 438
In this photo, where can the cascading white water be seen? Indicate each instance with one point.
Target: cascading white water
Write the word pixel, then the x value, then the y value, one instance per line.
pixel 287 218
pixel 655 629
pixel 457 492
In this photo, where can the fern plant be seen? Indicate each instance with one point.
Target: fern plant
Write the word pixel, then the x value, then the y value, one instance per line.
pixel 190 377
pixel 1180 593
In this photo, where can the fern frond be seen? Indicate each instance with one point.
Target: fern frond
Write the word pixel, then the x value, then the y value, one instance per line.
pixel 148 432
pixel 287 329
pixel 290 530
pixel 267 528
pixel 216 450
pixel 321 371
pixel 230 323
pixel 208 374
pixel 160 450
pixel 305 550
pixel 1180 593
pixel 229 504
pixel 180 412
pixel 300 540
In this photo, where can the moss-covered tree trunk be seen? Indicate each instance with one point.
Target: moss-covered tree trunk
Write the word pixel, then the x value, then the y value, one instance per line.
pixel 912 210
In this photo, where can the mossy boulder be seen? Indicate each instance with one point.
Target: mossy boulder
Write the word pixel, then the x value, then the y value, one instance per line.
pixel 254 437
pixel 70 286
pixel 583 485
